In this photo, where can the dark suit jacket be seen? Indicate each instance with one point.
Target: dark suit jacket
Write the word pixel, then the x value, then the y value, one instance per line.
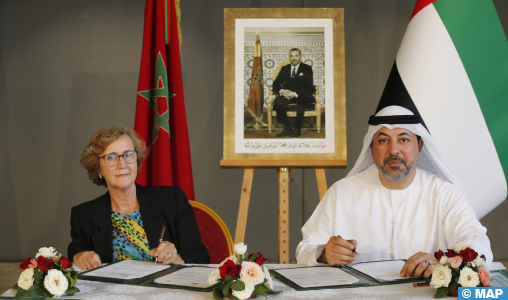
pixel 91 227
pixel 302 83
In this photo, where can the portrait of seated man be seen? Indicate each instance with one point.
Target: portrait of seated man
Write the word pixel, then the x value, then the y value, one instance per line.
pixel 401 200
pixel 295 87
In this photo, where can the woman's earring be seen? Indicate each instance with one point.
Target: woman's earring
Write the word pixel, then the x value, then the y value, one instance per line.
pixel 100 176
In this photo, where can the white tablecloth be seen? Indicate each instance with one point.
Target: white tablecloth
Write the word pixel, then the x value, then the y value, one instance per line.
pixel 93 290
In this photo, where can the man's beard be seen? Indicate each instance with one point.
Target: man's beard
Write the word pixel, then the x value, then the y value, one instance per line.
pixel 295 62
pixel 397 173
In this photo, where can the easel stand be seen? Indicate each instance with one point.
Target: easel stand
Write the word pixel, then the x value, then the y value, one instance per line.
pixel 283 180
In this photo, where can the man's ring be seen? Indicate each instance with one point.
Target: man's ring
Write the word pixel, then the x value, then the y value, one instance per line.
pixel 169 255
pixel 427 263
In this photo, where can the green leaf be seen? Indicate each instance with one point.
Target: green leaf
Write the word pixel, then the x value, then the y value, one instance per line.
pixel 253 257
pixel 225 289
pixel 260 289
pixel 20 292
pixel 453 285
pixel 238 286
pixel 71 291
pixel 271 292
pixel 264 281
pixel 441 292
pixel 15 287
pixel 228 278
pixel 31 292
pixel 217 294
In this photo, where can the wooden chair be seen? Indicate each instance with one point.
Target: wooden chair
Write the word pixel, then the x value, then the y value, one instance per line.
pixel 315 108
pixel 214 233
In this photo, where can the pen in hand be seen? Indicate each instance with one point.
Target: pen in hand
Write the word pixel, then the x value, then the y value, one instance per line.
pixel 160 239
pixel 354 250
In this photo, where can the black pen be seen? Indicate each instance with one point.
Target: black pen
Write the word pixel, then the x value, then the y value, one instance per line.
pixel 160 239
pixel 354 250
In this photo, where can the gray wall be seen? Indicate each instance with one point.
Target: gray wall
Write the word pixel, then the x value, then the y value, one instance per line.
pixel 68 68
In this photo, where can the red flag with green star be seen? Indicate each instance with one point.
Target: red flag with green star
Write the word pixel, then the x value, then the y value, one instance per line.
pixel 160 110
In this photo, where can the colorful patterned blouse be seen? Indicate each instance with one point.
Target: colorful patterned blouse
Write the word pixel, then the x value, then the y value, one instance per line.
pixel 129 237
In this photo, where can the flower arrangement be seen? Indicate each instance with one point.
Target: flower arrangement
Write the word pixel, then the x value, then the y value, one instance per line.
pixel 49 274
pixel 459 266
pixel 240 276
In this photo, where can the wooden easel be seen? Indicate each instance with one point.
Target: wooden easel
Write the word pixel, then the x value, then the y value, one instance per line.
pixel 283 180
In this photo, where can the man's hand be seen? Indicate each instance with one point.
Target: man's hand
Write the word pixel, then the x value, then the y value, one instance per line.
pixel 418 265
pixel 166 254
pixel 87 260
pixel 339 251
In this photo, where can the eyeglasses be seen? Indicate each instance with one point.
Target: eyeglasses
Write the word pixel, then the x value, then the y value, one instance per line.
pixel 113 159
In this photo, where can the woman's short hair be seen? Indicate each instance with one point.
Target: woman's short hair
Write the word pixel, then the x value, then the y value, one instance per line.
pixel 100 141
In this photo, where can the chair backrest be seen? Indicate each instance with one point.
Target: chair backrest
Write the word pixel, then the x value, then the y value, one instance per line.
pixel 214 233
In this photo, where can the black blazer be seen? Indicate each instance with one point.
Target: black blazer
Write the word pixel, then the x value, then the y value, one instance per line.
pixel 91 228
pixel 302 83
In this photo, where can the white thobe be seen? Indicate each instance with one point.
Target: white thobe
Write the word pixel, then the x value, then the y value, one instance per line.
pixel 428 215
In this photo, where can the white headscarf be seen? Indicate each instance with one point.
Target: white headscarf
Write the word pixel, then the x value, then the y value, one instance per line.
pixel 431 159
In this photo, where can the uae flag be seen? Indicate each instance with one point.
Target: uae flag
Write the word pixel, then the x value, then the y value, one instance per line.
pixel 256 95
pixel 160 109
pixel 452 67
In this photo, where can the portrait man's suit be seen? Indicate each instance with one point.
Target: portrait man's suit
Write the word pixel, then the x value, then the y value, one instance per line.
pixel 303 85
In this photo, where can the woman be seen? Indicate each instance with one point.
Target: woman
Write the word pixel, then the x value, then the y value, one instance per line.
pixel 126 222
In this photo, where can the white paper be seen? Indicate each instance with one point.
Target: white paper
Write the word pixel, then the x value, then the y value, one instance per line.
pixel 495 266
pixel 318 276
pixel 194 277
pixel 128 269
pixel 386 270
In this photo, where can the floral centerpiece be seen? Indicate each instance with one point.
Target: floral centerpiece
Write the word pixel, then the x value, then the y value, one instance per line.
pixel 49 274
pixel 459 266
pixel 241 276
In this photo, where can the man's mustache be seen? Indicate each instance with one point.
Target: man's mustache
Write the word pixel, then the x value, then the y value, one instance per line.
pixel 395 158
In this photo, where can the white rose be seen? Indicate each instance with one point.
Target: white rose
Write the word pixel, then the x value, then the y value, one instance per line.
pixel 441 276
pixel 245 294
pixel 55 282
pixel 240 248
pixel 269 283
pixel 214 277
pixel 468 278
pixel 443 260
pixel 478 262
pixel 46 252
pixel 459 247
pixel 26 280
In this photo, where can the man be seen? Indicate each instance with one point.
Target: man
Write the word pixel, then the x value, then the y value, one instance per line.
pixel 295 86
pixel 401 200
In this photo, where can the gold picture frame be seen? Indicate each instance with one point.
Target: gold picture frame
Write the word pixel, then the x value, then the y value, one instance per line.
pixel 336 153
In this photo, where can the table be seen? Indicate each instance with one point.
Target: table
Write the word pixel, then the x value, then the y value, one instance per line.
pixel 93 290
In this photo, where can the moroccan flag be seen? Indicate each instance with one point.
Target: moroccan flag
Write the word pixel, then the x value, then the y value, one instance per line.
pixel 160 109
pixel 453 65
pixel 256 95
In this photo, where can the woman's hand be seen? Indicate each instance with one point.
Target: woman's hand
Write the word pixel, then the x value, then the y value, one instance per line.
pixel 166 254
pixel 87 260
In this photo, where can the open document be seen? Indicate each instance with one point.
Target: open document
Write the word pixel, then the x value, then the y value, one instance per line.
pixel 128 269
pixel 318 276
pixel 383 270
pixel 193 277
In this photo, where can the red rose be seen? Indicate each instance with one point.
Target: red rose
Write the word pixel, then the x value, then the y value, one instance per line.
pixel 468 254
pixel 259 259
pixel 44 264
pixel 229 268
pixel 438 254
pixel 24 265
pixel 451 253
pixel 65 263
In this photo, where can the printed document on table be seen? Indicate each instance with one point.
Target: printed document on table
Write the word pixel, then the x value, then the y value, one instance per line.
pixel 194 277
pixel 128 269
pixel 384 270
pixel 318 276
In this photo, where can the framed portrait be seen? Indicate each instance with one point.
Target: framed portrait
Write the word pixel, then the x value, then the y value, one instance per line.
pixel 284 87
